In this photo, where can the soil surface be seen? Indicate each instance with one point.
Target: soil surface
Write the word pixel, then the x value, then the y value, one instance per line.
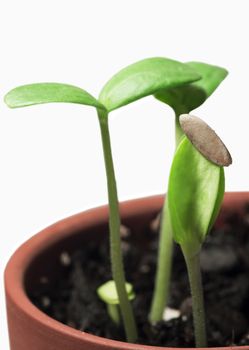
pixel 225 271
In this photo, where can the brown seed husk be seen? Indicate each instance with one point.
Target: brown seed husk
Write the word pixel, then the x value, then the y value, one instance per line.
pixel 205 139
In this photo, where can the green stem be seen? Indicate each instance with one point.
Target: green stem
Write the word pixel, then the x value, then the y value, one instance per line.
pixel 178 130
pixel 115 241
pixel 194 274
pixel 161 291
pixel 164 260
pixel 113 311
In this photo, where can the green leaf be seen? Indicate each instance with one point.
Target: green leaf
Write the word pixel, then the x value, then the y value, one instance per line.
pixel 33 94
pixel 108 292
pixel 188 97
pixel 195 192
pixel 145 78
pixel 219 199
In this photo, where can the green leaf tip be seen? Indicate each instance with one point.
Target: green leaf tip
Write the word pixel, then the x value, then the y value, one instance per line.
pixel 205 140
pixel 39 93
pixel 108 292
pixel 212 76
pixel 145 78
pixel 188 97
pixel 195 193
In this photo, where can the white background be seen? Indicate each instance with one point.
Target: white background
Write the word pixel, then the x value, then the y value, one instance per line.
pixel 50 155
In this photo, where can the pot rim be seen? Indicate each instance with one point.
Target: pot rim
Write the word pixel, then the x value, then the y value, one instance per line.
pixel 23 256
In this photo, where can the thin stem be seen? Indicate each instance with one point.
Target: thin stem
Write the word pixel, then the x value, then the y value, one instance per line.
pixel 195 280
pixel 161 291
pixel 115 241
pixel 164 259
pixel 178 130
pixel 113 311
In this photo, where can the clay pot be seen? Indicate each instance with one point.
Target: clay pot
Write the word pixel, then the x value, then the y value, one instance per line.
pixel 30 328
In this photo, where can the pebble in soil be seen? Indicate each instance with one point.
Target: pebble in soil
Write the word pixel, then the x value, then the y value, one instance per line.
pixel 225 271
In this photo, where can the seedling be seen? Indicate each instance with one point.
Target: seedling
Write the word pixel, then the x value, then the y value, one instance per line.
pixel 182 99
pixel 108 293
pixel 138 80
pixel 196 184
pixel 195 193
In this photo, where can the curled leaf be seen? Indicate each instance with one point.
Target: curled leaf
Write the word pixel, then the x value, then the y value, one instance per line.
pixel 195 193
pixel 188 97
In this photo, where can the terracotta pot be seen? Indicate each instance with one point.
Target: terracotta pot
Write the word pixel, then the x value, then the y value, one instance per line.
pixel 30 328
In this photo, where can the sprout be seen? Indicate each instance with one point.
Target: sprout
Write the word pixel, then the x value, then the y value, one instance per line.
pixel 138 80
pixel 108 293
pixel 195 193
pixel 182 99
pixel 54 92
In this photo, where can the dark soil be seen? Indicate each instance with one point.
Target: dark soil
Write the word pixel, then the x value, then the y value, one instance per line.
pixel 225 267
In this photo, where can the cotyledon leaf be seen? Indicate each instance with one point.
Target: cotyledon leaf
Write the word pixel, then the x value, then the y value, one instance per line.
pixel 145 78
pixel 195 192
pixel 209 144
pixel 108 292
pixel 39 93
pixel 191 96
